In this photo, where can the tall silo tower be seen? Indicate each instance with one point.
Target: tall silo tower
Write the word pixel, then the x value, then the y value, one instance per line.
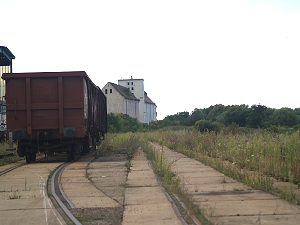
pixel 136 87
pixel 6 58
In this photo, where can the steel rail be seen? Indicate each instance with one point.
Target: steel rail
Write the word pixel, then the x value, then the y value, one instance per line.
pixel 10 169
pixel 17 166
pixel 61 204
pixel 61 189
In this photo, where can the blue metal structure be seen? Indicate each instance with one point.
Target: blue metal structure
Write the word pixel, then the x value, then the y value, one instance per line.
pixel 6 58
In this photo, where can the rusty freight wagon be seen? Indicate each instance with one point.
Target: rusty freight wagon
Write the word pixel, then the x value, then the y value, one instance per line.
pixel 54 112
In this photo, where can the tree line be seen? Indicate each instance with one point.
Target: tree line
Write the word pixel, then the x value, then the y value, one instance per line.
pixel 214 118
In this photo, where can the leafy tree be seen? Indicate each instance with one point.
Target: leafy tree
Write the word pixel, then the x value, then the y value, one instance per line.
pixel 122 123
pixel 284 117
pixel 207 125
pixel 297 112
pixel 221 118
pixel 155 125
pixel 180 118
pixel 256 116
pixel 268 120
pixel 235 114
pixel 197 114
pixel 206 111
pixel 216 111
pixel 212 118
pixel 113 123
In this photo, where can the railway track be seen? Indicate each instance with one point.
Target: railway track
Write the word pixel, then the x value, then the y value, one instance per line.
pixel 60 197
pixel 23 194
pixel 54 188
pixel 88 191
pixel 5 155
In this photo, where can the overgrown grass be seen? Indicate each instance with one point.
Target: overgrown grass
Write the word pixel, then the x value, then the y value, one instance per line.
pixel 170 181
pixel 10 159
pixel 124 143
pixel 256 158
pixel 161 165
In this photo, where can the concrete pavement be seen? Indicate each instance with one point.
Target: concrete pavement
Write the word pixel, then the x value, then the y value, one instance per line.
pixel 24 198
pixel 226 201
pixel 145 202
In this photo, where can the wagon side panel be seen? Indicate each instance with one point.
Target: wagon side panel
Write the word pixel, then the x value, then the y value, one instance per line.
pixel 41 103
pixel 16 115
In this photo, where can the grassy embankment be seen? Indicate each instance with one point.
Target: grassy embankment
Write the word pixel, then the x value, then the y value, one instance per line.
pixel 161 166
pixel 258 159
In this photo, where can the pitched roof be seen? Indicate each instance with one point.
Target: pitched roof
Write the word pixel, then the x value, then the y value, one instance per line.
pixel 124 91
pixel 147 99
pixel 5 56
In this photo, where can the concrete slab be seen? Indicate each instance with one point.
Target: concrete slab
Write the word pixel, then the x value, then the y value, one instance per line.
pixel 258 219
pixel 106 170
pixel 109 176
pixel 138 196
pixel 229 195
pixel 89 190
pixel 32 217
pixel 74 173
pixel 226 201
pixel 138 181
pixel 116 193
pixel 249 207
pixel 149 214
pixel 193 188
pixel 109 180
pixel 147 190
pixel 24 198
pixel 145 202
pixel 79 189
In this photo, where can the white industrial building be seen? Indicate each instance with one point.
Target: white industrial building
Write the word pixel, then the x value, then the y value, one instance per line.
pixel 147 108
pixel 141 104
pixel 120 100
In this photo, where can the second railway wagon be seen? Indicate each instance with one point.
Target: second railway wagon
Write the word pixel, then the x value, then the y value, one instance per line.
pixel 54 112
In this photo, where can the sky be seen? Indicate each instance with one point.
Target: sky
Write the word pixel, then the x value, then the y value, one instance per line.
pixel 191 54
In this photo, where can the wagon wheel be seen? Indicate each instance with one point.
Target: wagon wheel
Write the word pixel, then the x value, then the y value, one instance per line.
pixel 28 157
pixel 20 150
pixel 33 157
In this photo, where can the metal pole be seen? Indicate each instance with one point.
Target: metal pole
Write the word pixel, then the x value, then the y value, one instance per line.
pixel 10 138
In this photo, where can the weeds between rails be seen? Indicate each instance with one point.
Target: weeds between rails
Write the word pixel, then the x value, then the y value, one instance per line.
pixel 257 159
pixel 162 167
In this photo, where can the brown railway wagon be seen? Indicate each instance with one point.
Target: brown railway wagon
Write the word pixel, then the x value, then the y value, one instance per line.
pixel 54 112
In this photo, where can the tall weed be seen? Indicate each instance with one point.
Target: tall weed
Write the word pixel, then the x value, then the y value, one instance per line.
pixel 256 158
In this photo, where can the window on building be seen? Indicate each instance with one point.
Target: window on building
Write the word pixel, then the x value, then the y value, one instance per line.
pixel 110 90
pixel 127 83
pixel 132 88
pixel 105 91
pixel 132 83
